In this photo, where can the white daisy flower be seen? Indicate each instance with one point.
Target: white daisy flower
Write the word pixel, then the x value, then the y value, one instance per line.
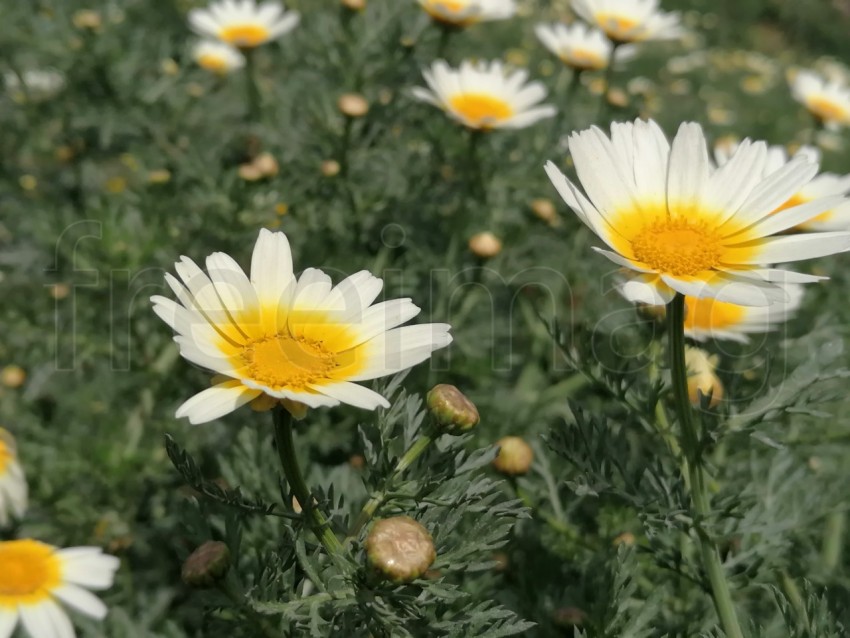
pixel 463 13
pixel 822 185
pixel 13 483
pixel 709 318
pixel 38 83
pixel 827 100
pixel 296 339
pixel 681 225
pixel 630 20
pixel 579 46
pixel 243 23
pixel 484 96
pixel 35 578
pixel 217 57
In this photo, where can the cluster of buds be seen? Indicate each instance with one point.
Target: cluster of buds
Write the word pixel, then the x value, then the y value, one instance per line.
pixel 262 166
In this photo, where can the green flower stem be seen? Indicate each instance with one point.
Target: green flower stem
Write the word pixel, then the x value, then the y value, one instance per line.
pixel 289 462
pixel 372 505
pixel 695 471
pixel 563 120
pixel 252 90
pixel 833 540
pixel 609 76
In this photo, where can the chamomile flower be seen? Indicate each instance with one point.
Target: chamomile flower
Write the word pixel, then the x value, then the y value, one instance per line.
pixel 13 484
pixel 484 96
pixel 822 185
pixel 827 100
pixel 243 23
pixel 35 578
pixel 463 13
pixel 680 225
pixel 579 46
pixel 630 20
pixel 217 57
pixel 709 318
pixel 281 337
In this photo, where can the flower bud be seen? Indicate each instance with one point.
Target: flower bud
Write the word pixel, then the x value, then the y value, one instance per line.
pixel 330 168
pixel 266 164
pixel 352 105
pixel 13 376
pixel 354 5
pixel 400 549
pixel 545 211
pixel 485 245
pixel 451 409
pixel 206 565
pixel 87 19
pixel 250 173
pixel 515 456
pixel 701 377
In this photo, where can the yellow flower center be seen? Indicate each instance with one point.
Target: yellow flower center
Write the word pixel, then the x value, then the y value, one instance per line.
pixel 451 12
pixel 678 246
pixel 619 28
pixel 452 6
pixel 215 63
pixel 244 35
pixel 707 313
pixel 584 59
pixel 826 110
pixel 480 110
pixel 287 361
pixel 30 571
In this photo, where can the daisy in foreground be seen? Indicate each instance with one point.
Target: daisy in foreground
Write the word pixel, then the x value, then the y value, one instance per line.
pixel 822 185
pixel 679 225
pixel 827 101
pixel 36 577
pixel 484 96
pixel 217 57
pixel 630 20
pixel 463 13
pixel 579 46
pixel 299 340
pixel 13 484
pixel 243 23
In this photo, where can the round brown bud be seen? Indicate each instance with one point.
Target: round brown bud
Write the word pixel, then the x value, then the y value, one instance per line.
pixel 485 245
pixel 354 5
pixel 515 456
pixel 250 173
pixel 352 105
pixel 206 565
pixel 569 617
pixel 13 376
pixel 545 210
pixel 400 549
pixel 617 97
pixel 451 409
pixel 626 538
pixel 266 164
pixel 330 168
pixel 59 291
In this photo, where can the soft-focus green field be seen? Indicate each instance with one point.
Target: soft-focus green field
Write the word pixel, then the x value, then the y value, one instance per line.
pixel 135 162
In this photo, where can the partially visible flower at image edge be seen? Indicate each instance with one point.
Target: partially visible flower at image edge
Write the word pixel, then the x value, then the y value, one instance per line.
pixel 299 340
pixel 828 101
pixel 484 96
pixel 243 23
pixel 679 225
pixel 464 13
pixel 13 483
pixel 35 578
pixel 630 20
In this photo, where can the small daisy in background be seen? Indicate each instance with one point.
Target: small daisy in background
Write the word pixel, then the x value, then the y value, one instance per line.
pixel 828 101
pixel 484 96
pixel 13 483
pixel 464 13
pixel 630 20
pixel 297 340
pixel 822 185
pixel 243 23
pixel 35 578
pixel 579 46
pixel 36 84
pixel 682 226
pixel 217 57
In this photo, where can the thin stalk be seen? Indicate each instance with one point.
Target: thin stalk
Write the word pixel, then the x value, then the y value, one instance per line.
pixel 291 470
pixel 833 540
pixel 372 505
pixel 695 471
pixel 565 96
pixel 252 91
pixel 609 76
pixel 477 188
pixel 443 43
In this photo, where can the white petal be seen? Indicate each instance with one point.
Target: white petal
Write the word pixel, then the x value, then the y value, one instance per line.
pixel 216 401
pixel 689 168
pixel 82 600
pixel 37 620
pixel 776 189
pixel 796 247
pixel 8 620
pixel 232 285
pixel 791 217
pixel 641 290
pixel 353 394
pixel 271 267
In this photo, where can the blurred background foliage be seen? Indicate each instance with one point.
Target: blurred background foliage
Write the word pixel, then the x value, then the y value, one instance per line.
pixel 135 161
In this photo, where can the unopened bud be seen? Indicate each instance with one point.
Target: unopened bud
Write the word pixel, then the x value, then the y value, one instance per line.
pixel 400 549
pixel 485 245
pixel 451 409
pixel 545 210
pixel 266 164
pixel 515 456
pixel 701 378
pixel 206 565
pixel 87 19
pixel 353 105
pixel 330 168
pixel 13 376
pixel 250 173
pixel 618 98
pixel 354 5
pixel 626 538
